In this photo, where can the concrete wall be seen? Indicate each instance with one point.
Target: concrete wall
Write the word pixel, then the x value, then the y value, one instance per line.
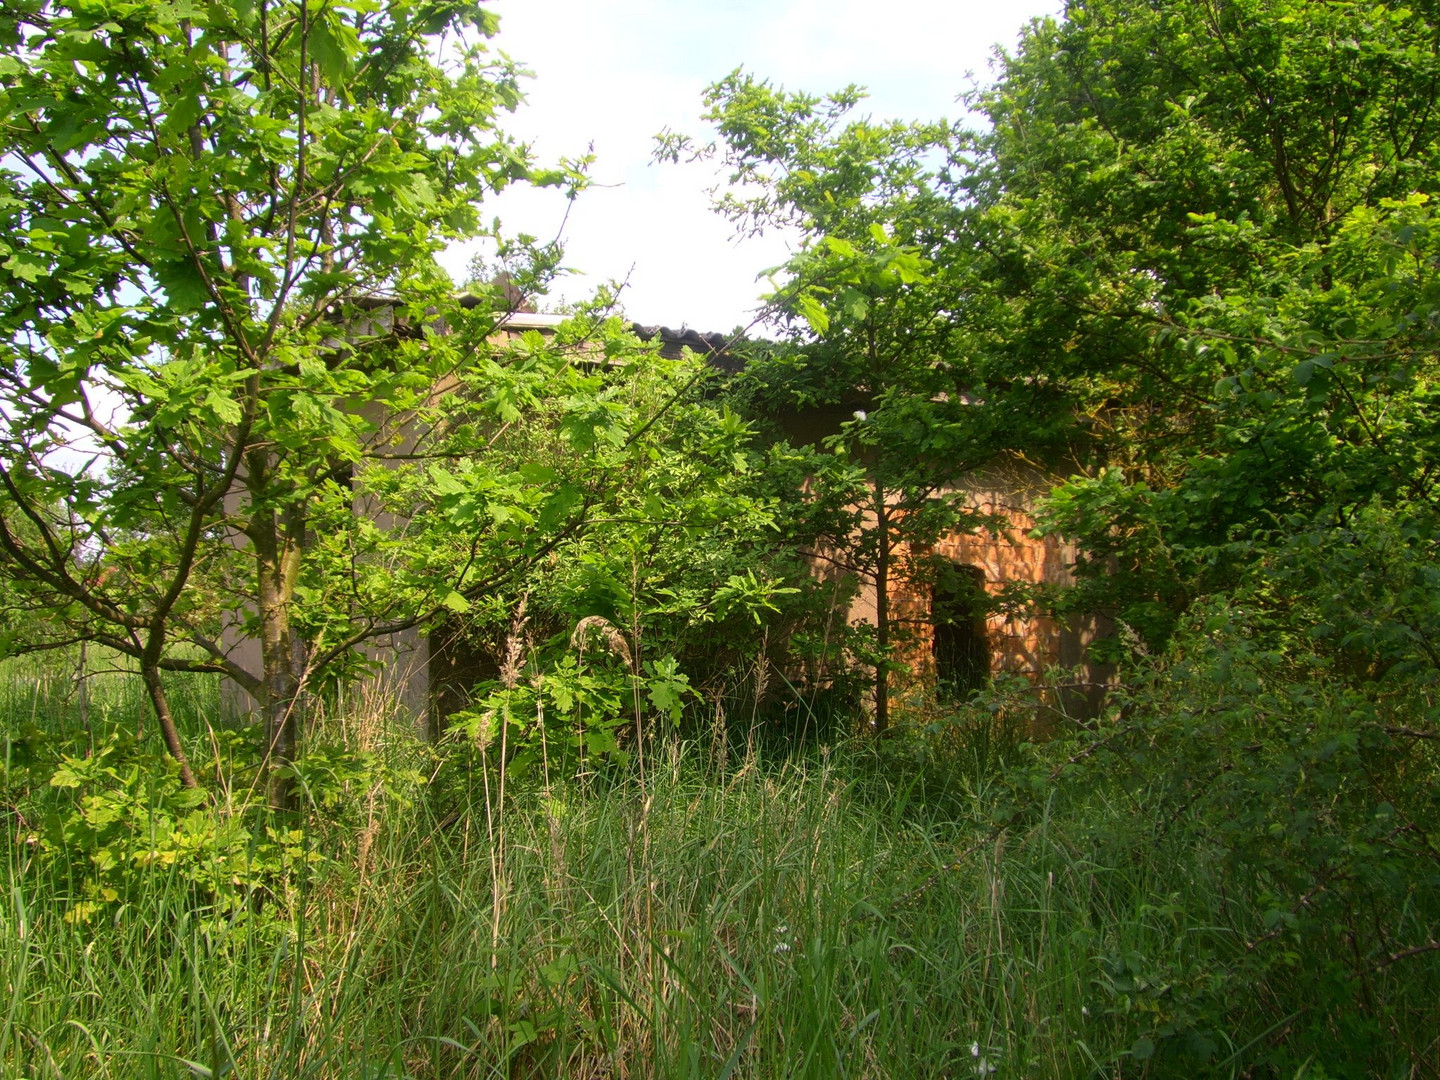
pixel 1026 645
pixel 413 673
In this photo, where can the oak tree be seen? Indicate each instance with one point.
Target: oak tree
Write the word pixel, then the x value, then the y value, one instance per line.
pixel 870 312
pixel 1207 228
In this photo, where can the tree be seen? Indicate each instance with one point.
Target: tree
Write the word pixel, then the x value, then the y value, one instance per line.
pixel 670 588
pixel 1207 226
pixel 199 204
pixel 871 312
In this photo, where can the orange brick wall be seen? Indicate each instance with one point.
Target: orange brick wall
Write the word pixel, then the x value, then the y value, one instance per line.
pixel 1019 645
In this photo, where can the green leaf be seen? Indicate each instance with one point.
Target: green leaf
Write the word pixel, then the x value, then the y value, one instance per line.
pixel 183 284
pixel 559 971
pixel 855 303
pixel 327 48
pixel 27 266
pixel 444 482
pixel 224 406
pixel 185 110
pixel 813 313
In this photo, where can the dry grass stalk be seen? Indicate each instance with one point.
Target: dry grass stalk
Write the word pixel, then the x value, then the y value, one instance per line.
pixel 514 648
pixel 609 635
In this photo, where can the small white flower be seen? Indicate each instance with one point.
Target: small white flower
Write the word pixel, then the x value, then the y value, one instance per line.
pixel 860 414
pixel 782 947
pixel 982 1064
pixel 1084 1011
pixel 781 929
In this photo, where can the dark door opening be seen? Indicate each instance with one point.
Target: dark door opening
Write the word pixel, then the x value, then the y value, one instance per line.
pixel 457 663
pixel 960 645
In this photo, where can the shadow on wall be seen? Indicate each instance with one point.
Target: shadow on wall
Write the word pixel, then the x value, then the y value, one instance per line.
pixel 960 644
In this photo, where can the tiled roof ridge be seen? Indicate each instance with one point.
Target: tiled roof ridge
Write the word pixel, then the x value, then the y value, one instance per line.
pixel 713 347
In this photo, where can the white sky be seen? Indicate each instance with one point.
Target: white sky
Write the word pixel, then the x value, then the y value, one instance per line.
pixel 617 72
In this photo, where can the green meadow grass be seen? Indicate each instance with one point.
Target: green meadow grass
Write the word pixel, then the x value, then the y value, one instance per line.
pixel 837 912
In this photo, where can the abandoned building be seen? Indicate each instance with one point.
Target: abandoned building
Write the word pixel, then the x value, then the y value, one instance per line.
pixel 963 640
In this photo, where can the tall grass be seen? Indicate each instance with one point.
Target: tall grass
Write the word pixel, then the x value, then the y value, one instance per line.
pixel 827 914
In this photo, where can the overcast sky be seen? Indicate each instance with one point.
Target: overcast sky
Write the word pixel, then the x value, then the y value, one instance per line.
pixel 618 72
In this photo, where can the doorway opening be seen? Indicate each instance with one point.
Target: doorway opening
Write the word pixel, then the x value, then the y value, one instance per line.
pixel 958 605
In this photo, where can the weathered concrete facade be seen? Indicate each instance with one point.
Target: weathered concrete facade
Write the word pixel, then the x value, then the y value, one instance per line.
pixel 1049 651
pixel 935 634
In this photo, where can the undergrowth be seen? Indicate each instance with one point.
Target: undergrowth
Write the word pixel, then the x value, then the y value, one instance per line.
pixel 1231 873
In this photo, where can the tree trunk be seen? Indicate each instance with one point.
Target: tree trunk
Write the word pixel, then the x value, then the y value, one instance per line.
pixel 277 557
pixel 882 612
pixel 161 704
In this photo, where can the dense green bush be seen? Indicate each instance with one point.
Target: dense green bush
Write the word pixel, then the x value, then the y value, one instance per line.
pixel 1287 824
pixel 1233 872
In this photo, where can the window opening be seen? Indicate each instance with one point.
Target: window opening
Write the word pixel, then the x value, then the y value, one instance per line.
pixel 960 645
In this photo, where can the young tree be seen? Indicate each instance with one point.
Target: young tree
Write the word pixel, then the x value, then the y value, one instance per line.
pixel 871 312
pixel 664 593
pixel 197 203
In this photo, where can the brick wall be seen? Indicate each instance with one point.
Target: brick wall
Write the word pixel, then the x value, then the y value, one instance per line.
pixel 1020 644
